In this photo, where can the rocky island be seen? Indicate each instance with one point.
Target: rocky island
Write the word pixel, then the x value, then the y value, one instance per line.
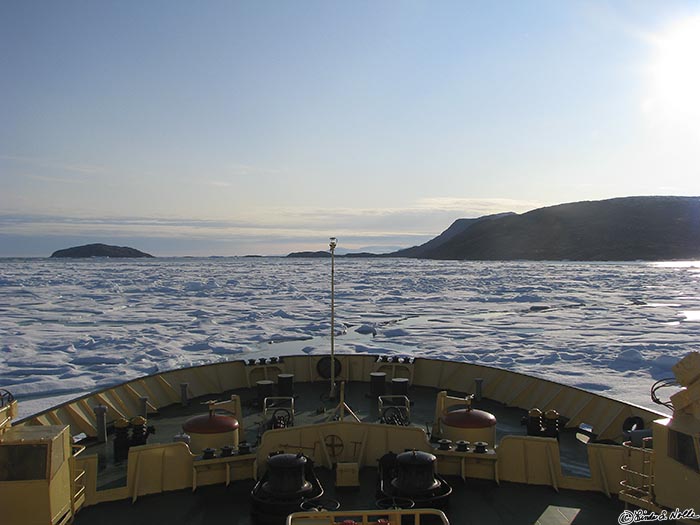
pixel 99 250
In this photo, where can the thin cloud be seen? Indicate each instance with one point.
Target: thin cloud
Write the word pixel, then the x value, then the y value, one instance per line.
pixel 427 216
pixel 477 206
pixel 48 178
pixel 269 229
pixel 84 169
pixel 469 207
pixel 51 225
pixel 238 171
pixel 250 170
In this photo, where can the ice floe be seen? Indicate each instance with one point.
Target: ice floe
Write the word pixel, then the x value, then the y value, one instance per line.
pixel 74 326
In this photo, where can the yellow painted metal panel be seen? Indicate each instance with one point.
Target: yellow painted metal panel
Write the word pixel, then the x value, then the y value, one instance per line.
pixel 160 467
pixel 676 484
pixel 342 441
pixel 25 502
pixel 527 459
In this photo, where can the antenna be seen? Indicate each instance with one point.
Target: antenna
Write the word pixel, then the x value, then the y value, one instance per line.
pixel 333 243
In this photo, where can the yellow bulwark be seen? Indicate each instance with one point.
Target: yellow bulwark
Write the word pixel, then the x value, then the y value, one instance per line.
pixel 41 481
pixel 368 517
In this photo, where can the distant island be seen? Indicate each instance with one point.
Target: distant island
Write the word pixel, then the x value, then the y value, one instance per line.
pixel 99 250
pixel 311 255
pixel 621 229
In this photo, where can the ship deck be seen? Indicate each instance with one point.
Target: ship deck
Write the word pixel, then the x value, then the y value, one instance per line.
pixel 473 500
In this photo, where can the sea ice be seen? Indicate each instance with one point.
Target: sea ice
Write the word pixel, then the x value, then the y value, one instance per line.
pixel 631 355
pixel 366 329
pixel 70 327
pixel 394 332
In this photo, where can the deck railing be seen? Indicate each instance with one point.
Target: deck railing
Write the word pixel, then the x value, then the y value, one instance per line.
pixel 638 487
pixel 367 517
pixel 77 481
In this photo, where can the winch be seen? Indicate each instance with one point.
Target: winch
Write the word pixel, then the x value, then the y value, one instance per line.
pixel 287 477
pixel 408 479
pixel 289 485
pixel 415 473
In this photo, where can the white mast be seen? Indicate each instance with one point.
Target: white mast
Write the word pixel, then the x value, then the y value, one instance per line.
pixel 333 244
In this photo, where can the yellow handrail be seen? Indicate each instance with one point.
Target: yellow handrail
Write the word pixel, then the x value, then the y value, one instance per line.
pixel 644 485
pixel 394 516
pixel 77 483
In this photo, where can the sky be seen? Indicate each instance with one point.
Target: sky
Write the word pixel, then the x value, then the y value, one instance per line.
pixel 264 127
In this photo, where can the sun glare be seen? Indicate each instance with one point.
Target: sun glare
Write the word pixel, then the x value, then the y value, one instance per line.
pixel 675 74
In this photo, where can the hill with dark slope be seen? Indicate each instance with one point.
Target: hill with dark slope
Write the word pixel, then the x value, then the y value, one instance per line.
pixel 309 255
pixel 326 254
pixel 623 229
pixel 456 228
pixel 99 250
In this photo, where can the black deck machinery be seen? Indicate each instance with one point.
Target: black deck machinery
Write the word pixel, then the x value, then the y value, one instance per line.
pixel 408 480
pixel 289 485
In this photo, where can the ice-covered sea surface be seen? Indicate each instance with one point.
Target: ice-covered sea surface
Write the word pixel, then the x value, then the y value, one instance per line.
pixel 72 326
